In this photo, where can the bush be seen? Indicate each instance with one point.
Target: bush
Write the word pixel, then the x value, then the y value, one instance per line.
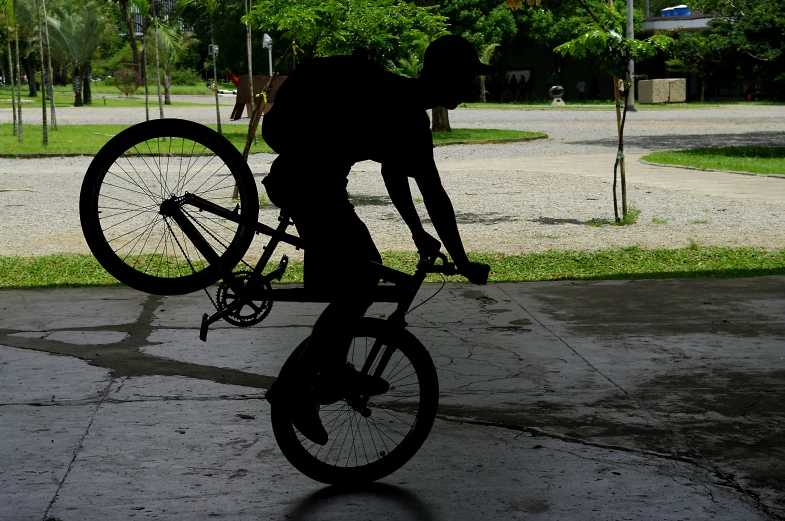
pixel 185 76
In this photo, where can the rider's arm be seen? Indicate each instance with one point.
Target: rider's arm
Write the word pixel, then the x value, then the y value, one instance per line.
pixel 442 214
pixel 401 196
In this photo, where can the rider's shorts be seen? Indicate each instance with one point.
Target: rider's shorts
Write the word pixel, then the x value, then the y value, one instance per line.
pixel 337 243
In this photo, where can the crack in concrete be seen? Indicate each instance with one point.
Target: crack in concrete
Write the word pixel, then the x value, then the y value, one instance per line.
pixel 446 415
pixel 725 477
pixel 125 359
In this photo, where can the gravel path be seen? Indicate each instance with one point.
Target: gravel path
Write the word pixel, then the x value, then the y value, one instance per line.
pixel 508 198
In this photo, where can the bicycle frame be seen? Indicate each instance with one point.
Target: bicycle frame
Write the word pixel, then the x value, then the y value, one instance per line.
pixel 403 290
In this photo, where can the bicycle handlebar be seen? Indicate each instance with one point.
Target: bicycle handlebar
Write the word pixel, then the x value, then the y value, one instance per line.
pixel 445 268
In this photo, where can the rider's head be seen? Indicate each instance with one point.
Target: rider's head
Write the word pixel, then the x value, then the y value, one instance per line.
pixel 449 68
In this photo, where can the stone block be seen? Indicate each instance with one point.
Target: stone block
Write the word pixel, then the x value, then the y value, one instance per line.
pixel 662 91
pixel 677 92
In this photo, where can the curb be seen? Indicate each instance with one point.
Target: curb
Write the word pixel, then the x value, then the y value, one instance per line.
pixel 737 172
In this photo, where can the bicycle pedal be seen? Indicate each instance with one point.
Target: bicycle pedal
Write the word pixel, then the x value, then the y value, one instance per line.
pixel 204 328
pixel 278 272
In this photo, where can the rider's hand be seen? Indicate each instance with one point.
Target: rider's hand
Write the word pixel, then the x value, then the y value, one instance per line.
pixel 426 244
pixel 476 272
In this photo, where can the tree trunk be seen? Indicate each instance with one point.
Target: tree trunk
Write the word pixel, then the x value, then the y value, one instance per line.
pixel 49 72
pixel 620 154
pixel 158 73
pixel 45 141
pixel 20 134
pixel 250 71
pixel 87 74
pixel 78 87
pixel 29 65
pixel 144 71
pixel 129 22
pixel 215 79
pixel 11 78
pixel 167 84
pixel 482 89
pixel 441 120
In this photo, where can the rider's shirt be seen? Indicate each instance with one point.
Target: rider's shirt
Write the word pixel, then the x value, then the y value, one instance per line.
pixel 339 110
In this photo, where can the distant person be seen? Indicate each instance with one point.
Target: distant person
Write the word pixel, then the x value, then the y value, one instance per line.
pixel 581 86
pixel 308 182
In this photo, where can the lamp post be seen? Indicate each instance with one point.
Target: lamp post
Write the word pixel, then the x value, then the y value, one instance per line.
pixel 267 43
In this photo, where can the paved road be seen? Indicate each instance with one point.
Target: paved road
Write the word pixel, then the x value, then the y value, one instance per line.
pixel 644 400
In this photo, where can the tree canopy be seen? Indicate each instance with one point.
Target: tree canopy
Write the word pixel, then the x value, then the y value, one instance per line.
pixel 389 29
pixel 747 37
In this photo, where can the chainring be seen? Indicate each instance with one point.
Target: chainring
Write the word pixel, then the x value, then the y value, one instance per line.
pixel 250 313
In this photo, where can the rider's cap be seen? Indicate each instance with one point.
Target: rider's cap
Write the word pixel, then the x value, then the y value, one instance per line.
pixel 453 53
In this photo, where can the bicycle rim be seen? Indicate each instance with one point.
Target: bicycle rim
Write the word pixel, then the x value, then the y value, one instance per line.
pixel 363 449
pixel 139 170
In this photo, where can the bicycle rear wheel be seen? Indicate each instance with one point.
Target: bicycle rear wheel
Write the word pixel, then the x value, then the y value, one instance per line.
pixel 363 449
pixel 130 178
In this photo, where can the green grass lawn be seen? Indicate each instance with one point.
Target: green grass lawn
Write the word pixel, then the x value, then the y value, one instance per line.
pixel 759 160
pixel 109 88
pixel 112 100
pixel 479 135
pixel 71 270
pixel 88 139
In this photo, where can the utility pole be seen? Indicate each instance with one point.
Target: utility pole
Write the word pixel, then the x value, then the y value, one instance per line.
pixel 631 66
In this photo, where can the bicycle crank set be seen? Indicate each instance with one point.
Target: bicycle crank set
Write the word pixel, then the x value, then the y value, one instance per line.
pixel 238 301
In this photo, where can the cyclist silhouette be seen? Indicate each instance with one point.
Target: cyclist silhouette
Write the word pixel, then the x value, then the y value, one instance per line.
pixel 318 137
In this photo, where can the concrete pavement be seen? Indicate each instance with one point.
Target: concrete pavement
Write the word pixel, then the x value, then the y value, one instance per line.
pixel 634 400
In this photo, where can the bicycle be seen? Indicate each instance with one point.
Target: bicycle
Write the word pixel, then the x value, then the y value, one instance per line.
pixel 170 207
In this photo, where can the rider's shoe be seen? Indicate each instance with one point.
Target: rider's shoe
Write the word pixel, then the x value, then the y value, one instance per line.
pixel 332 386
pixel 302 409
pixel 305 417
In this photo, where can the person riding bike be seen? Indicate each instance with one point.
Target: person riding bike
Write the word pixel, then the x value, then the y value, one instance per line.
pixel 318 137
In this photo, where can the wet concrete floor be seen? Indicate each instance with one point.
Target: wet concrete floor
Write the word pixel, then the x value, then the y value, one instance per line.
pixel 656 399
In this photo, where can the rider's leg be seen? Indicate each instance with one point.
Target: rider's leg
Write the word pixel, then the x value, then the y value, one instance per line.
pixel 337 263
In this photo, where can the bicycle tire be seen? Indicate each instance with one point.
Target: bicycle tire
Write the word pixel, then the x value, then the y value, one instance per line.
pixel 408 400
pixel 128 180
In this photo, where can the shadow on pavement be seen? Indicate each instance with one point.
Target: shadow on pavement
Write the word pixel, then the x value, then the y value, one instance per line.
pixel 371 501
pixel 659 142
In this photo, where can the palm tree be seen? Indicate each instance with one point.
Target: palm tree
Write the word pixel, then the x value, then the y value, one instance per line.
pixel 6 7
pixel 75 37
pixel 49 71
pixel 210 8
pixel 158 71
pixel 144 11
pixel 43 75
pixel 172 44
pixel 19 129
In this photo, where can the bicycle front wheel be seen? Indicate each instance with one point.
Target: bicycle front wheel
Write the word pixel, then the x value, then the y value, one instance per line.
pixel 135 173
pixel 363 448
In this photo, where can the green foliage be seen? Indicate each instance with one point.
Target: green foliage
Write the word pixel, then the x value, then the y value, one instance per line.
pixel 185 76
pixel 747 38
pixel 480 21
pixel 389 29
pixel 601 41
